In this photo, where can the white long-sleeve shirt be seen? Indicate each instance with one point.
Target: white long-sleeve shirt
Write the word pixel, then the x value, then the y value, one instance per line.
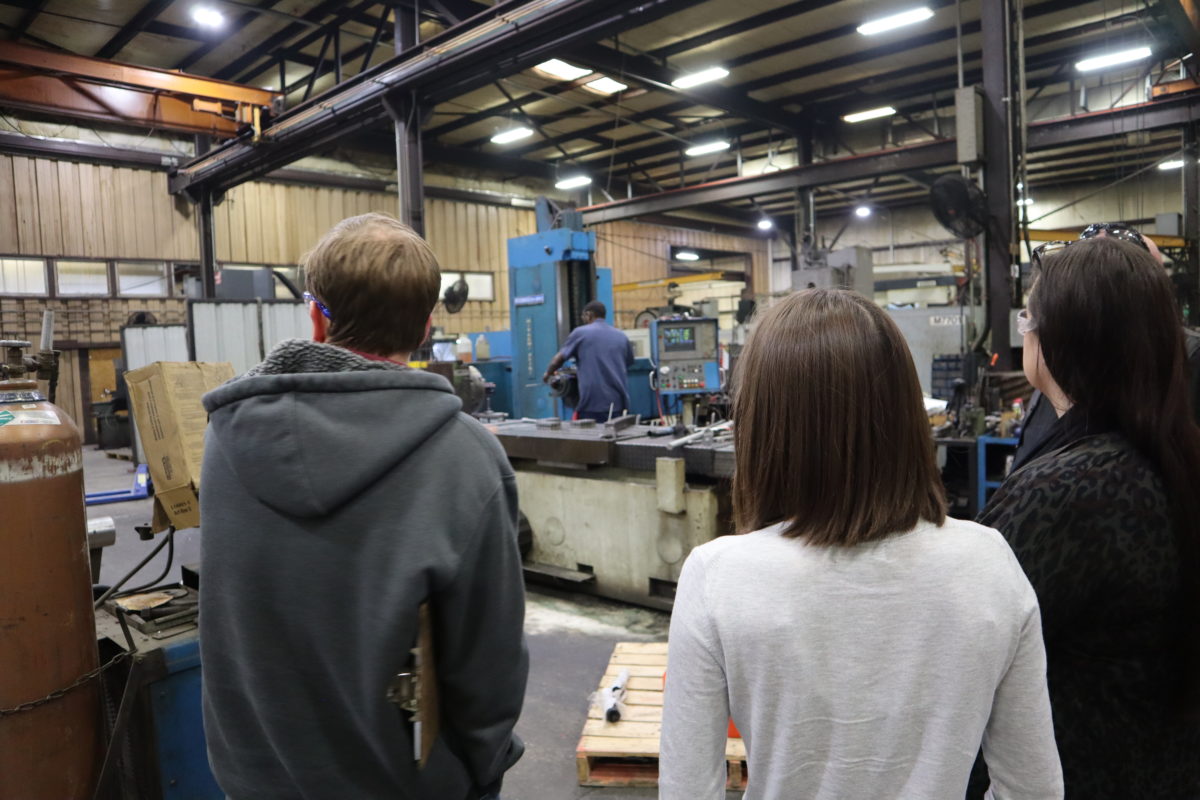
pixel 865 673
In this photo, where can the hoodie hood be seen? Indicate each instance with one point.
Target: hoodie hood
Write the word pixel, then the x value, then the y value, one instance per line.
pixel 314 425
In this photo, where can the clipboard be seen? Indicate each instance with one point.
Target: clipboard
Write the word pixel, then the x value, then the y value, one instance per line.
pixel 415 690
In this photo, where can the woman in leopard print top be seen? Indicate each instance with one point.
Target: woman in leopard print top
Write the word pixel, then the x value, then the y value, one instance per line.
pixel 1105 520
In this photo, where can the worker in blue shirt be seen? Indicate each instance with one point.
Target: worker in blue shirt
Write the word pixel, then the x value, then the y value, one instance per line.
pixel 603 355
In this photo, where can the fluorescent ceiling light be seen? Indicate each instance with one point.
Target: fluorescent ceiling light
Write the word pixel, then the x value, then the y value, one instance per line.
pixel 605 85
pixel 207 16
pixel 1171 164
pixel 765 224
pixel 573 182
pixel 562 70
pixel 706 148
pixel 687 255
pixel 1113 59
pixel 1025 201
pixel 512 135
pixel 910 17
pixel 863 211
pixel 696 78
pixel 1020 186
pixel 873 113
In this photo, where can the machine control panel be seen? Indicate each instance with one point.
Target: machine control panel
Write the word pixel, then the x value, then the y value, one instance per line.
pixel 686 355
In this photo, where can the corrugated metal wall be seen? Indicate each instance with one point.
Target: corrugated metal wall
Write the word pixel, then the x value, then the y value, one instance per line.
pixel 474 238
pixel 142 345
pixel 273 223
pixel 60 208
pixel 69 209
pixel 243 332
pixel 640 252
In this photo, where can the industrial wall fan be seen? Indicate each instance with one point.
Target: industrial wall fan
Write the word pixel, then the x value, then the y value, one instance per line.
pixel 959 205
pixel 455 296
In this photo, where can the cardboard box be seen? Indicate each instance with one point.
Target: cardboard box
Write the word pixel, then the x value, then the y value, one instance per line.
pixel 165 401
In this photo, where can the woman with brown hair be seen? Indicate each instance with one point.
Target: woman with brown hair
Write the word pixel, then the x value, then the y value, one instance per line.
pixel 1105 520
pixel 864 644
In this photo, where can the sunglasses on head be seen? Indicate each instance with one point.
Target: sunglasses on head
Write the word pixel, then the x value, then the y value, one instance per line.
pixel 1115 230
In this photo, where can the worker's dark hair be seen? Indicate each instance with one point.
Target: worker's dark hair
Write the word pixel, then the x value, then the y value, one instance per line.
pixel 831 433
pixel 1111 336
pixel 380 281
pixel 597 309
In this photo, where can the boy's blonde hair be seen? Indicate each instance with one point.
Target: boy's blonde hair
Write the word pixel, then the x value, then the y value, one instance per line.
pixel 380 281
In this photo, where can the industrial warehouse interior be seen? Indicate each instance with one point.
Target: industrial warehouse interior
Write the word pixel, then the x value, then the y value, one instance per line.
pixel 372 370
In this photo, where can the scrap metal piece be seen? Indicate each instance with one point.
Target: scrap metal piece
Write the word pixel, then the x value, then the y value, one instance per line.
pixel 144 601
pixel 615 426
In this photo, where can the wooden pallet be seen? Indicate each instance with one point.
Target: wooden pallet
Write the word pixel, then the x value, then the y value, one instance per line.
pixel 626 753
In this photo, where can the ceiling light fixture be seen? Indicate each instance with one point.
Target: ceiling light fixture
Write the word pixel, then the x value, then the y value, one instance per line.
pixel 862 212
pixel 910 17
pixel 687 255
pixel 512 135
pixel 706 148
pixel 562 70
pixel 765 224
pixel 873 113
pixel 1178 164
pixel 1113 59
pixel 1025 201
pixel 207 16
pixel 573 182
pixel 696 78
pixel 605 85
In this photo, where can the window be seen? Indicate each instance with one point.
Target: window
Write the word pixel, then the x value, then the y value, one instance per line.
pixel 22 276
pixel 293 274
pixel 82 277
pixel 142 279
pixel 480 285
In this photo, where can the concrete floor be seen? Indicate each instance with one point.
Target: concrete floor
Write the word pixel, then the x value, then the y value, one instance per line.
pixel 570 640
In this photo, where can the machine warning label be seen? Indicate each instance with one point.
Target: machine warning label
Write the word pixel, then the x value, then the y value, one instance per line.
pixel 22 417
pixel 21 397
pixel 945 321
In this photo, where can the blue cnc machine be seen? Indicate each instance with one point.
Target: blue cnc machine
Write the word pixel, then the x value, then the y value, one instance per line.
pixel 552 276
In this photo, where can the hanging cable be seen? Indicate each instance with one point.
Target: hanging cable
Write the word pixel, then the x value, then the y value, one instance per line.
pixel 112 590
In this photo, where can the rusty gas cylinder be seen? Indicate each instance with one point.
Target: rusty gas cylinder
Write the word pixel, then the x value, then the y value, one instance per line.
pixel 47 627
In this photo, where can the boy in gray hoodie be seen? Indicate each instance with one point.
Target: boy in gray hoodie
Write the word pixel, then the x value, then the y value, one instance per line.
pixel 342 489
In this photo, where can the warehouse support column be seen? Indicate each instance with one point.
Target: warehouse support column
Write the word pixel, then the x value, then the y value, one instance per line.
pixel 407 115
pixel 805 219
pixel 1191 220
pixel 208 241
pixel 996 24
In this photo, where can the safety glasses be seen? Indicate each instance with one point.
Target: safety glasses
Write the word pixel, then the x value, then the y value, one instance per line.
pixel 309 298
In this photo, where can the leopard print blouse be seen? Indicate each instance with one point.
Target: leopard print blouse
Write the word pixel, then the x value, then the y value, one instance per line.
pixel 1090 523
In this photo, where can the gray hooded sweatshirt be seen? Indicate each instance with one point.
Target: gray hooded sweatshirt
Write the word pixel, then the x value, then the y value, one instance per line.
pixel 338 494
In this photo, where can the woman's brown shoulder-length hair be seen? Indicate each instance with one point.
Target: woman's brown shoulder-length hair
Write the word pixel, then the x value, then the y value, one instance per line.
pixel 830 428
